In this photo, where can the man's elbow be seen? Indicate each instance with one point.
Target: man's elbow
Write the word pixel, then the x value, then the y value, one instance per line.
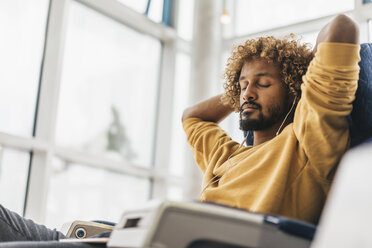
pixel 343 29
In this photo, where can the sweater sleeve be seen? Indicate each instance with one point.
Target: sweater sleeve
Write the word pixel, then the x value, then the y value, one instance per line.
pixel 328 90
pixel 211 146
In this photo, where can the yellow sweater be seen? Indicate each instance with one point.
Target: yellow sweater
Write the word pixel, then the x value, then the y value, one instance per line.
pixel 289 175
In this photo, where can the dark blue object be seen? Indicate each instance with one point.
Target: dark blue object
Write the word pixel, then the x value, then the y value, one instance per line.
pixel 291 226
pixel 360 119
pixel 167 13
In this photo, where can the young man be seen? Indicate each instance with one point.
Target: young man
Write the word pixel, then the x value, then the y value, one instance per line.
pixel 300 126
pixel 288 173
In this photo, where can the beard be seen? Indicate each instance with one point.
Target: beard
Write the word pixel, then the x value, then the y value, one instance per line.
pixel 276 114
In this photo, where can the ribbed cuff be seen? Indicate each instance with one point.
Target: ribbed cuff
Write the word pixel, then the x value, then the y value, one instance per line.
pixel 338 54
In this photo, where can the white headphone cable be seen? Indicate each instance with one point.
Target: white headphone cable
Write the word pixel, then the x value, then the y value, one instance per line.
pixel 293 104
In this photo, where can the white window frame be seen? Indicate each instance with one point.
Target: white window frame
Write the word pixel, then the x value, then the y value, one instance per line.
pixel 42 145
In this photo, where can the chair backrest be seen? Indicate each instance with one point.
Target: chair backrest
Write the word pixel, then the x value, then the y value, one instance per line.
pixel 360 119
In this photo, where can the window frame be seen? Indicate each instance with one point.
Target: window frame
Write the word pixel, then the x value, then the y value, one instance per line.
pixel 42 145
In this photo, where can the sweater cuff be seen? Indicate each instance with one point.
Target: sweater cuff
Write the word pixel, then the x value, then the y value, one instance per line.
pixel 338 54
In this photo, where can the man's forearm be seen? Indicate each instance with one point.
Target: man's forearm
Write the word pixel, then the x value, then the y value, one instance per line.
pixel 211 109
pixel 341 29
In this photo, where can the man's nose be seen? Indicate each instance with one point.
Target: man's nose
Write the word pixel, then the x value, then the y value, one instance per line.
pixel 249 94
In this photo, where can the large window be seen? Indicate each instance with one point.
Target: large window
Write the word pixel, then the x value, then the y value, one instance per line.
pixel 109 88
pixel 79 101
pixel 22 25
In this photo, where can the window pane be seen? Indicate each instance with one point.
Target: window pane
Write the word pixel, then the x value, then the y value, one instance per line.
pixel 254 15
pixel 14 166
pixel 137 5
pixel 180 100
pixel 155 10
pixel 79 192
pixel 108 88
pixel 185 20
pixel 22 25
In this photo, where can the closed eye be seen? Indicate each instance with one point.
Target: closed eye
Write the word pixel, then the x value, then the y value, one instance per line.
pixel 264 85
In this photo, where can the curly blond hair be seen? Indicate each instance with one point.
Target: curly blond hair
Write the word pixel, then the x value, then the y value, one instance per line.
pixel 292 58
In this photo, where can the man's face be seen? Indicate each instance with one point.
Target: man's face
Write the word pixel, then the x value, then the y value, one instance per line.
pixel 263 98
